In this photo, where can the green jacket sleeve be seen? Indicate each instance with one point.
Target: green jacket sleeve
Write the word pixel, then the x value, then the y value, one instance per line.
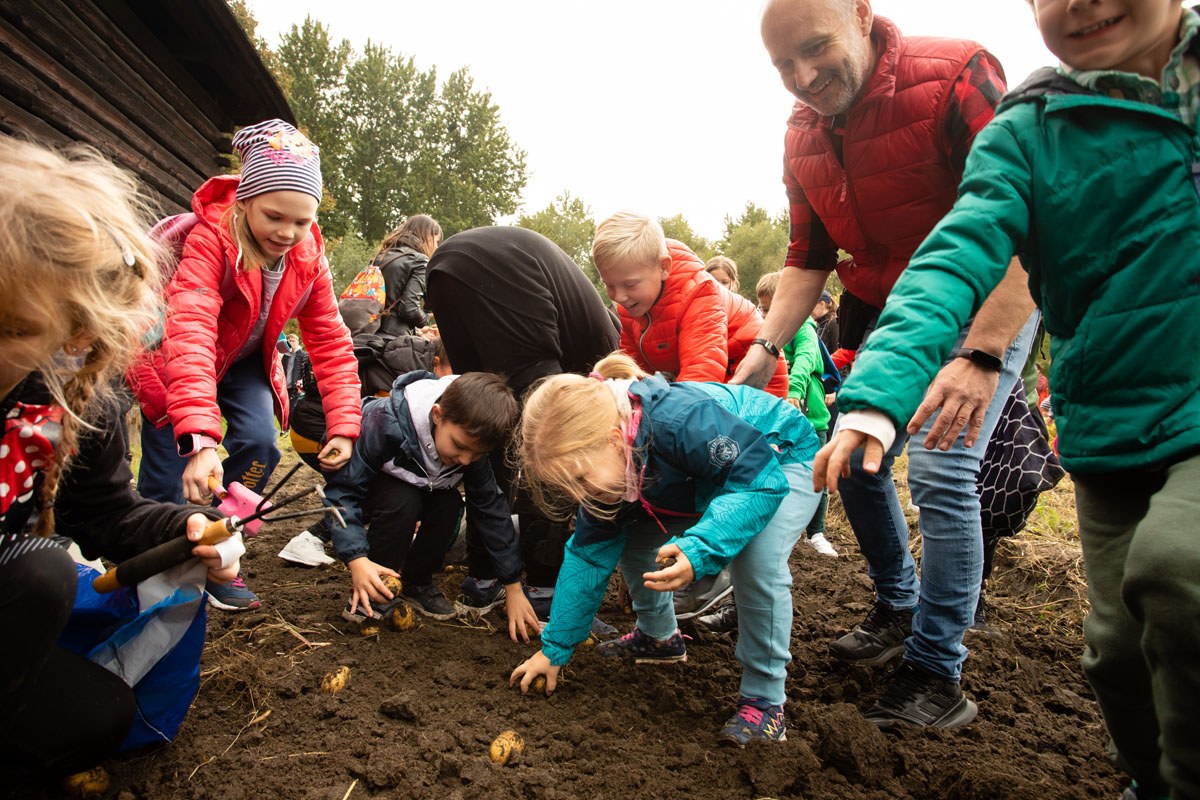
pixel 951 274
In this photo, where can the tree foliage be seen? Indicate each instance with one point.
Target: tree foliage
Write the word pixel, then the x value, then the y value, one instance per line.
pixel 758 243
pixel 677 227
pixel 568 222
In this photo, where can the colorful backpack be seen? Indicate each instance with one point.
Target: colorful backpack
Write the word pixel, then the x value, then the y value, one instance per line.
pixel 364 300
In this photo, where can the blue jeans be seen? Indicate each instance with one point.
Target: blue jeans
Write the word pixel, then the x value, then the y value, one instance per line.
pixel 245 399
pixel 761 586
pixel 943 487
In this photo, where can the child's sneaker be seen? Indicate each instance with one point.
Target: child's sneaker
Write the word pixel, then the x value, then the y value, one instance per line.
pixel 305 548
pixel 232 596
pixel 480 596
pixel 645 650
pixel 755 719
pixel 428 600
pixel 702 595
pixel 723 620
pixel 819 543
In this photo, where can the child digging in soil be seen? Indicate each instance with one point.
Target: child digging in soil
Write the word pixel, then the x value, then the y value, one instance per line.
pixel 1089 172
pixel 417 445
pixel 78 286
pixel 630 448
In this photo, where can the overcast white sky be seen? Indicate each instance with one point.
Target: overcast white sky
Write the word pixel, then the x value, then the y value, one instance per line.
pixel 663 106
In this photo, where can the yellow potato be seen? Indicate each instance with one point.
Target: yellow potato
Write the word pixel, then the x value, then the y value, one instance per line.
pixel 539 685
pixel 369 627
pixel 505 746
pixel 335 681
pixel 402 618
pixel 393 585
pixel 92 783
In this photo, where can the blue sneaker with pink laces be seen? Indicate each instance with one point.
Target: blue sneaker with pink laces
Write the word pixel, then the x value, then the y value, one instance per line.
pixel 755 719
pixel 232 596
pixel 646 650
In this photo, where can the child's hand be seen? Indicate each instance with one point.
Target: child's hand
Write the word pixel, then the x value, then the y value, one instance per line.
pixel 208 554
pixel 671 577
pixel 520 613
pixel 794 403
pixel 199 468
pixel 335 453
pixel 537 664
pixel 364 576
pixel 833 460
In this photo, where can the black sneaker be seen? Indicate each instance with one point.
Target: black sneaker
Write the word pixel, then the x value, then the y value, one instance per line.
pixel 702 595
pixel 428 600
pixel 478 598
pixel 918 697
pixel 723 620
pixel 878 639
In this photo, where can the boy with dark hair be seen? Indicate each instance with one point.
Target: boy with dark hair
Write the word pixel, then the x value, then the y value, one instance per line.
pixel 417 445
pixel 1089 173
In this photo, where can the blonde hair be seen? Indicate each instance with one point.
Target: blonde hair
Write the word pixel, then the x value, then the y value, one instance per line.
pixel 729 265
pixel 767 284
pixel 628 237
pixel 253 256
pixel 567 420
pixel 73 245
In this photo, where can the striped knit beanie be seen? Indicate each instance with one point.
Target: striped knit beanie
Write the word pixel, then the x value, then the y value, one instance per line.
pixel 276 157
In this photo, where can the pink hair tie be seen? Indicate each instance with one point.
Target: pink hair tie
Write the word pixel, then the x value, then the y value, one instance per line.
pixel 597 376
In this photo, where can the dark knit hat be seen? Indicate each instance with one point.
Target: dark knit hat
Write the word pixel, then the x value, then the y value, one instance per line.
pixel 276 157
pixel 826 297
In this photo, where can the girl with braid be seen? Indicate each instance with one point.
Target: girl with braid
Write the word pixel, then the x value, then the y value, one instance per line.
pixel 78 286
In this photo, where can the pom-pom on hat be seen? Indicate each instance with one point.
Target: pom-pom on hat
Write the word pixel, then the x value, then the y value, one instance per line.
pixel 276 157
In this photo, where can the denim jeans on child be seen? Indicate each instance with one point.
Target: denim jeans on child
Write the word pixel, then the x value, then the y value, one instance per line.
pixel 761 588
pixel 245 399
pixel 943 487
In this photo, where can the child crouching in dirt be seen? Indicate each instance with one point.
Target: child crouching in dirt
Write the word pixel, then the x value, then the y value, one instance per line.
pixel 630 448
pixel 78 286
pixel 1117 123
pixel 417 445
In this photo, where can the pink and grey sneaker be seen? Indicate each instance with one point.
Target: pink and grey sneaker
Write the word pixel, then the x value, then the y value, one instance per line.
pixel 232 596
pixel 755 719
pixel 645 650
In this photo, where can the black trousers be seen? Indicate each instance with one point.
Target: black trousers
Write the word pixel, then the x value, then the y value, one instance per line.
pixel 393 508
pixel 59 713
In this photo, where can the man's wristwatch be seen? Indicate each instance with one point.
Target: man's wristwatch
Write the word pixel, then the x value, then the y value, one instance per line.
pixel 981 358
pixel 768 345
pixel 192 443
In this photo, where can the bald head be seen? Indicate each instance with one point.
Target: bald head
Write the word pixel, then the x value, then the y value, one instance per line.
pixel 821 48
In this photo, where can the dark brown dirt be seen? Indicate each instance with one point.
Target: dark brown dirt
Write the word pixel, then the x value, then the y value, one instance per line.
pixel 421 708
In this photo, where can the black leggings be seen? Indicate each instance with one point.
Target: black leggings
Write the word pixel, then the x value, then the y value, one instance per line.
pixel 59 713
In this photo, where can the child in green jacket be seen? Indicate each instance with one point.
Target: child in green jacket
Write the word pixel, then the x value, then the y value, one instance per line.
pixel 1089 173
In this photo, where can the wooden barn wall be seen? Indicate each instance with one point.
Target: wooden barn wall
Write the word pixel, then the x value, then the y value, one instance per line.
pixel 69 72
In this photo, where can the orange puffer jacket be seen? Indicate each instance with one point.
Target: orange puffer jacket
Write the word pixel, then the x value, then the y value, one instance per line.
pixel 697 330
pixel 211 314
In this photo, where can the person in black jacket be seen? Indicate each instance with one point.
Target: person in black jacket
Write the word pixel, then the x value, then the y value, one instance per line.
pixel 403 258
pixel 77 283
pixel 509 300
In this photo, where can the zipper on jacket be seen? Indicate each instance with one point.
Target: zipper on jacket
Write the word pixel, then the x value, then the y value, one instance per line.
pixel 642 340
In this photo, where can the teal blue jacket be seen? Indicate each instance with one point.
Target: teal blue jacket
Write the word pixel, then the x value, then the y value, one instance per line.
pixel 712 455
pixel 1099 198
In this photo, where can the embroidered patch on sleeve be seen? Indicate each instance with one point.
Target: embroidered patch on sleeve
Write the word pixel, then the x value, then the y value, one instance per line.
pixel 722 451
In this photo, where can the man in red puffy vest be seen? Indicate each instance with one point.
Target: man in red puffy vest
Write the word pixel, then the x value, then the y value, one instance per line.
pixel 874 151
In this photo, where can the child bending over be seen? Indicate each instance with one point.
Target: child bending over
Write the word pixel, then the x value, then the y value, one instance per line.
pixel 632 449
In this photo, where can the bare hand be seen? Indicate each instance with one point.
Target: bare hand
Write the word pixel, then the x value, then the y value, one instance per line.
pixel 364 577
pixel 537 664
pixel 963 391
pixel 208 554
pixel 757 368
pixel 671 576
pixel 199 469
pixel 335 453
pixel 833 460
pixel 521 616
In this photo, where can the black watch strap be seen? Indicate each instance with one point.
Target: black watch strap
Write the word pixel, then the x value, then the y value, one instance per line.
pixel 768 345
pixel 981 358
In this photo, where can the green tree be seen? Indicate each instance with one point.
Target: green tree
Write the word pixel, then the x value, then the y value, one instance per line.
pixel 677 227
pixel 568 222
pixel 348 255
pixel 757 242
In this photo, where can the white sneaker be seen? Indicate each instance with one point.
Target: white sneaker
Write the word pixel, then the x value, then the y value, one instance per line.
pixel 306 549
pixel 821 545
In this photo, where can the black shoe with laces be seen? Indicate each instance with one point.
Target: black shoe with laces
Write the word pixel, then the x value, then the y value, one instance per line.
pixel 723 620
pixel 877 639
pixel 428 600
pixel 918 697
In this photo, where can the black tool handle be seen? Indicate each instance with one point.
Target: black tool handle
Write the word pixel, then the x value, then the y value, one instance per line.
pixel 134 570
